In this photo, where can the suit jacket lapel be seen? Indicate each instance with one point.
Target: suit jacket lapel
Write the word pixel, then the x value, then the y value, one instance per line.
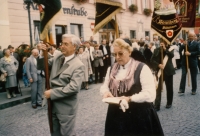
pixel 64 67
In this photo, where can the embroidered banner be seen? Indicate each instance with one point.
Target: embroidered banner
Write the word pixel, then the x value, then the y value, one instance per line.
pixel 50 11
pixel 105 10
pixel 165 20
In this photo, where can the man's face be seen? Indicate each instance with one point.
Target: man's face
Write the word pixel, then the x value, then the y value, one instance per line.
pixel 191 37
pixel 104 42
pixel 35 54
pixel 67 48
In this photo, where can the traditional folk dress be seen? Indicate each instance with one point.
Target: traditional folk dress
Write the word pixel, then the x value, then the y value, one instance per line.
pixel 136 80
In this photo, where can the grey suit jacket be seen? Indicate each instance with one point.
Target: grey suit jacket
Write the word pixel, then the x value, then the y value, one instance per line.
pixel 31 68
pixel 65 83
pixel 9 67
pixel 98 55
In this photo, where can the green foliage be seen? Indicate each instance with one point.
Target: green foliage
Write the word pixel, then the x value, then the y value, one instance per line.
pixel 133 8
pixel 23 50
pixel 147 11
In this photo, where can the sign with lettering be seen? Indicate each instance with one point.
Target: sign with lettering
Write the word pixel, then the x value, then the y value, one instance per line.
pixel 74 11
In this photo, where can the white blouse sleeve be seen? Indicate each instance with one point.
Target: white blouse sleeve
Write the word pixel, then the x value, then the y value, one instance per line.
pixel 148 92
pixel 104 88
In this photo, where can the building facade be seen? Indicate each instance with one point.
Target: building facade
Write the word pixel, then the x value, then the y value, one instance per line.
pixel 14 24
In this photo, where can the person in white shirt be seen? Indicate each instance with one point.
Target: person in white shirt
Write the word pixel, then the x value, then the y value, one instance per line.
pixel 127 81
pixel 135 44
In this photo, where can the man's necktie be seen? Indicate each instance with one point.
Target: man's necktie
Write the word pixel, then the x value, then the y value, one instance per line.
pixel 62 60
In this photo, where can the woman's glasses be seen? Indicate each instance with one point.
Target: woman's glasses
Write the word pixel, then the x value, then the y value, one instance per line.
pixel 120 54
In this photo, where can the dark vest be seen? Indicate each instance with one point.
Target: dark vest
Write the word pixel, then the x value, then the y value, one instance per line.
pixel 136 87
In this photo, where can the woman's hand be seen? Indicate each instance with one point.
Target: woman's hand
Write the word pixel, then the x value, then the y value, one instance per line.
pixel 128 99
pixel 107 94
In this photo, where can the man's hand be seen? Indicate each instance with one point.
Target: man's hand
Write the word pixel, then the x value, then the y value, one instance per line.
pixel 5 74
pixel 187 53
pixel 44 47
pixel 161 66
pixel 107 94
pixel 30 80
pixel 103 57
pixel 107 56
pixel 162 45
pixel 47 94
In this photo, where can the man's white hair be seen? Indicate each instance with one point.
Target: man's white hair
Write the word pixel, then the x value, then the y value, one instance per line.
pixel 35 50
pixel 75 40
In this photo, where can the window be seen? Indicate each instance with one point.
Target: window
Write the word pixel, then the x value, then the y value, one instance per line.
pixel 36 24
pixel 147 33
pixel 130 2
pixel 76 29
pixel 60 30
pixel 132 34
pixel 146 4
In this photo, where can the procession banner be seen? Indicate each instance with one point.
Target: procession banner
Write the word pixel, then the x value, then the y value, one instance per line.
pixel 50 11
pixel 165 21
pixel 186 10
pixel 105 10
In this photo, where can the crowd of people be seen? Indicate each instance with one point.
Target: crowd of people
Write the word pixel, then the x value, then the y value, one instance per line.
pixel 121 65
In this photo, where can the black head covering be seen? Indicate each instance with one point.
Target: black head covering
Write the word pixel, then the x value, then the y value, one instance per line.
pixel 137 55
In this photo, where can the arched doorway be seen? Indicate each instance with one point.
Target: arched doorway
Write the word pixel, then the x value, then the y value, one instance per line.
pixel 104 33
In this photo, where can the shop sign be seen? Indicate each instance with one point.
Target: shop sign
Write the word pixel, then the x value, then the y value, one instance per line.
pixel 74 11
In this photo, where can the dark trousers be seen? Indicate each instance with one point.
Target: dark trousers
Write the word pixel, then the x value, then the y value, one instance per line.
pixel 199 63
pixel 99 70
pixel 106 63
pixel 169 88
pixel 193 73
pixel 178 63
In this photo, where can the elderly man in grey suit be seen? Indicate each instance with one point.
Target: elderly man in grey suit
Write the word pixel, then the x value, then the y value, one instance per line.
pixel 65 83
pixel 35 78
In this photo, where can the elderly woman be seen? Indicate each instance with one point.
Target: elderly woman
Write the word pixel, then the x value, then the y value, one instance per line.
pixel 9 66
pixel 84 57
pixel 132 83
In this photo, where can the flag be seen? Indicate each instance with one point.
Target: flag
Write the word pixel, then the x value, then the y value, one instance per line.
pixel 105 10
pixel 50 11
pixel 36 36
pixel 165 21
pixel 186 10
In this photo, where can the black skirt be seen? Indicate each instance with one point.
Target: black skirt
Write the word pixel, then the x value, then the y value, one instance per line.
pixel 139 120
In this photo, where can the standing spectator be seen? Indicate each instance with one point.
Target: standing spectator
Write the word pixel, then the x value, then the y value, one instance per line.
pixel 106 56
pixel 92 40
pixel 89 49
pixel 1 53
pixel 168 72
pixel 9 66
pixel 24 74
pixel 192 53
pixel 179 44
pixel 147 55
pixel 98 63
pixel 176 56
pixel 135 44
pixel 85 58
pixel 12 53
pixel 156 41
pixel 53 50
pixel 112 57
pixel 65 80
pixel 152 47
pixel 35 78
pixel 146 41
pixel 82 40
pixel 141 49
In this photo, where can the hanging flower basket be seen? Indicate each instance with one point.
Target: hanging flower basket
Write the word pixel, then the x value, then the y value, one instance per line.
pixel 147 11
pixel 80 1
pixel 133 8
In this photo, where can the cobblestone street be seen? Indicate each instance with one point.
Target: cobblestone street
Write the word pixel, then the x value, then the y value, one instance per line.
pixel 183 119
